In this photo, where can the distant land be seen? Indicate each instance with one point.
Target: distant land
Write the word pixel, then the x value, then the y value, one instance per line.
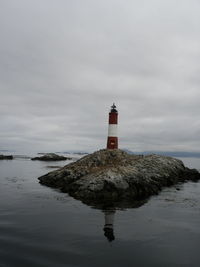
pixel 73 152
pixel 176 154
pixel 164 153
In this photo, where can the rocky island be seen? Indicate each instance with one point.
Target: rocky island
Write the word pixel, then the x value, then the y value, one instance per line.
pixel 114 175
pixel 51 157
pixel 6 157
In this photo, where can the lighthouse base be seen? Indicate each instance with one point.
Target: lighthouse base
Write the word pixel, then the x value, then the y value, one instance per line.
pixel 112 142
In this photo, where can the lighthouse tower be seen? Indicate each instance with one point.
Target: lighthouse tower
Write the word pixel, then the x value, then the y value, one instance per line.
pixel 112 142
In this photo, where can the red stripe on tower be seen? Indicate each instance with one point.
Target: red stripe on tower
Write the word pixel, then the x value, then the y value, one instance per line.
pixel 112 141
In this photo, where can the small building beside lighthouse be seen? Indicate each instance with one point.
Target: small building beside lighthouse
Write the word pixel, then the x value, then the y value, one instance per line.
pixel 112 141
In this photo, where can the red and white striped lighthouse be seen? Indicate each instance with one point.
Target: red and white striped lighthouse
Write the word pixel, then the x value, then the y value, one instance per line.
pixel 112 142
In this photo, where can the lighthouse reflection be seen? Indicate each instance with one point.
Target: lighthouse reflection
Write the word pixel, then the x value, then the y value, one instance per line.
pixel 110 211
pixel 109 225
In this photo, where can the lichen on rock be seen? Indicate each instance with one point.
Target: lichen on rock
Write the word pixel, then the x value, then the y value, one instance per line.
pixel 116 175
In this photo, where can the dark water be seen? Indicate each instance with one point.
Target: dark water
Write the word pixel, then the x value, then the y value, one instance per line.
pixel 40 226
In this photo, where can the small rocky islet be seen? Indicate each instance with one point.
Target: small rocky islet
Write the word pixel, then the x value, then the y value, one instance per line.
pixel 6 157
pixel 115 175
pixel 51 157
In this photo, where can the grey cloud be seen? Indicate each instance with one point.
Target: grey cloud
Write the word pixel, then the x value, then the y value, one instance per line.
pixel 63 63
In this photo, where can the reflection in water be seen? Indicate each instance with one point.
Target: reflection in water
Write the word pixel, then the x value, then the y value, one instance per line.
pixel 109 214
pixel 109 225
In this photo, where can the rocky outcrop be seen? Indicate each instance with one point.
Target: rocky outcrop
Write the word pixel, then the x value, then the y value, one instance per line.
pixel 6 157
pixel 114 175
pixel 51 157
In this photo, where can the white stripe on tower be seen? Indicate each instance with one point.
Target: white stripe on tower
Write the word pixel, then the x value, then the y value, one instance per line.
pixel 112 130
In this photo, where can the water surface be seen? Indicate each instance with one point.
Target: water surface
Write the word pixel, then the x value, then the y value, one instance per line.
pixel 40 226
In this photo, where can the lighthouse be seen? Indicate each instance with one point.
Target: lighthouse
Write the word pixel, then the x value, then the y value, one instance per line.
pixel 112 141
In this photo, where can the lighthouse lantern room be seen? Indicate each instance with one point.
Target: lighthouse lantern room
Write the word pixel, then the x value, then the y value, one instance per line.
pixel 112 141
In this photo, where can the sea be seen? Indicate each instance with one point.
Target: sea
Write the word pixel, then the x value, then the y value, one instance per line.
pixel 40 226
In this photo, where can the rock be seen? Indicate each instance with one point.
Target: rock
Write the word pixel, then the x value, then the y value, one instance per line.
pixel 54 167
pixel 51 157
pixel 6 157
pixel 114 175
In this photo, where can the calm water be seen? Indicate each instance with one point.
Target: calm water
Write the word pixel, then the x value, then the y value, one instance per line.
pixel 40 226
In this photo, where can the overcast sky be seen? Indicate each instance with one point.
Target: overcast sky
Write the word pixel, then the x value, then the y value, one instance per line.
pixel 64 62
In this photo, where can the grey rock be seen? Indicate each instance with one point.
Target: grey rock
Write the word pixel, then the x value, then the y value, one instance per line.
pixel 6 157
pixel 51 157
pixel 114 175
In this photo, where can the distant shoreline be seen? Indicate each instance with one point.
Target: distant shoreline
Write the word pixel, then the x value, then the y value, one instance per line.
pixel 175 154
pixel 167 153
